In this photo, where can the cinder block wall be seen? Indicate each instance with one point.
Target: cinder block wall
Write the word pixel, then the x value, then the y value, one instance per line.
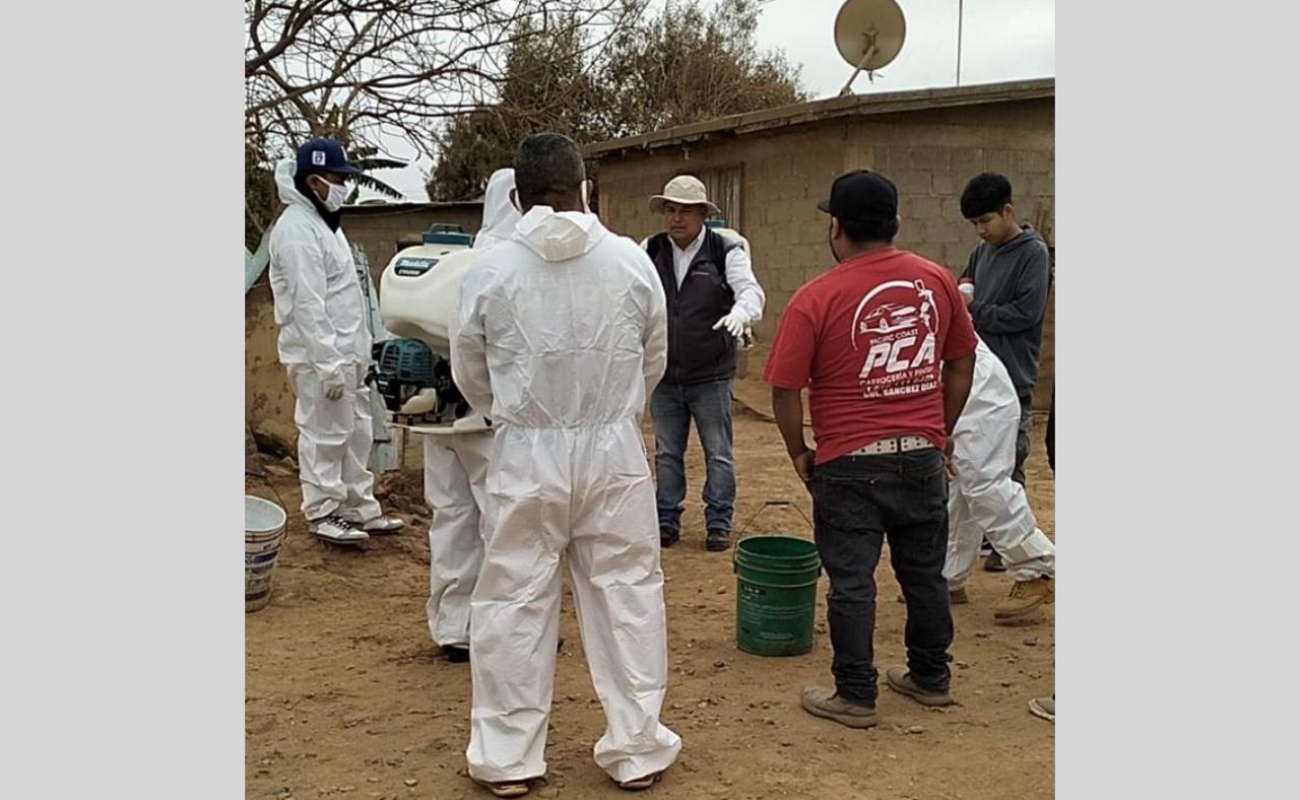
pixel 929 154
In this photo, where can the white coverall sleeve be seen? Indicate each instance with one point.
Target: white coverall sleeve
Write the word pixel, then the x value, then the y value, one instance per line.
pixel 469 367
pixel 301 264
pixel 740 276
pixel 655 339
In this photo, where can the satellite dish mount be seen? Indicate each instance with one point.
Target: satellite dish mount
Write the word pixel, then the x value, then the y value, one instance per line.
pixel 869 34
pixel 868 52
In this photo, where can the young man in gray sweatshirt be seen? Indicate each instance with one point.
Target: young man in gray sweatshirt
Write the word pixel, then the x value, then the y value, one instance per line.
pixel 1006 283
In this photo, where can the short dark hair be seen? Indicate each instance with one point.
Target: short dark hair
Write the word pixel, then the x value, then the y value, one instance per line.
pixel 548 166
pixel 860 232
pixel 986 193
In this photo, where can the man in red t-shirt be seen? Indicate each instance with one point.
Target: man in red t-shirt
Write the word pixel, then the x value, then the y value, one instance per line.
pixel 886 348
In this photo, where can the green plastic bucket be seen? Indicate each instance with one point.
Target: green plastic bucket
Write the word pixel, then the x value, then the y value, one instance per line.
pixel 776 594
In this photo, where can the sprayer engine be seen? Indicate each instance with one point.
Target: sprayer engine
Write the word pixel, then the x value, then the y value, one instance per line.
pixel 416 383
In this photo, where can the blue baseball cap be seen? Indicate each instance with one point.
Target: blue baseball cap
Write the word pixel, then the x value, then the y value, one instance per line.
pixel 324 155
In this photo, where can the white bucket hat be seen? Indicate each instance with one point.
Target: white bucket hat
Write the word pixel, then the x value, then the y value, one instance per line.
pixel 686 190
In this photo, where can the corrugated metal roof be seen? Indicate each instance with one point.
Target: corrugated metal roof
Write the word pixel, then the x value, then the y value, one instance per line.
pixel 409 207
pixel 830 108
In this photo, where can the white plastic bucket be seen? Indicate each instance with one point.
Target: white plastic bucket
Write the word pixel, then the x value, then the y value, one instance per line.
pixel 264 526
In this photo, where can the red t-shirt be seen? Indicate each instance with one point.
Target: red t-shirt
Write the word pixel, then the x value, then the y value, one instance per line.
pixel 867 338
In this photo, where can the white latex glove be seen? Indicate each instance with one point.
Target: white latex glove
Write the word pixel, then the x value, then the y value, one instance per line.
pixel 332 382
pixel 734 322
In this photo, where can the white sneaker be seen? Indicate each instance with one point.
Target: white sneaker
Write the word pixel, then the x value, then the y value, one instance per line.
pixel 1044 707
pixel 337 530
pixel 383 525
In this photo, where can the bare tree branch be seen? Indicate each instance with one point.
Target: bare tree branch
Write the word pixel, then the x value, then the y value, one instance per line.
pixel 366 70
pixel 393 64
pixel 685 64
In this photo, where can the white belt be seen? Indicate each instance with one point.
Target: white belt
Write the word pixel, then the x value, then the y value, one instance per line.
pixel 894 444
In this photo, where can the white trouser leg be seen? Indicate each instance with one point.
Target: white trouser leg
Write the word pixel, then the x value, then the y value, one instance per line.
pixel 964 537
pixel 997 505
pixel 360 505
pixel 515 610
pixel 325 429
pixel 455 467
pixel 1034 556
pixel 618 587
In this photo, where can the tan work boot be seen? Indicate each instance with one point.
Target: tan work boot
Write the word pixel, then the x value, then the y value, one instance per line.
pixel 828 704
pixel 1025 597
pixel 900 680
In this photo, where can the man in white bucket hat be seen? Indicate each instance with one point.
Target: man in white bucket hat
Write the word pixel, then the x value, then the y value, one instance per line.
pixel 712 297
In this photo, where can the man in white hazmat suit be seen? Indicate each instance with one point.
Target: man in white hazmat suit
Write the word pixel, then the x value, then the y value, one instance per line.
pixel 324 344
pixel 984 501
pixel 562 335
pixel 455 469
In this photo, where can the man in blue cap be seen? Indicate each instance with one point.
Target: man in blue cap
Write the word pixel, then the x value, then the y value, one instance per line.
pixel 325 345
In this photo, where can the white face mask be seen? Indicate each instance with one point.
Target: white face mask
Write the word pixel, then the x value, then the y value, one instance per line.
pixel 338 193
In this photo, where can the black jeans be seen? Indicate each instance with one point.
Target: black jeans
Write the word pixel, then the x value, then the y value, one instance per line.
pixel 1022 438
pixel 1051 433
pixel 857 500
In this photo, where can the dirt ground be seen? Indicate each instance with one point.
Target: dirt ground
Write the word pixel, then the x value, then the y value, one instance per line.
pixel 345 697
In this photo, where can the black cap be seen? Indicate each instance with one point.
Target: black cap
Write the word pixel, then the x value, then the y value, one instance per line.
pixel 862 196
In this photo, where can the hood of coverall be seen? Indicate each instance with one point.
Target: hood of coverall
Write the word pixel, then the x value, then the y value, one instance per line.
pixel 499 215
pixel 285 172
pixel 292 191
pixel 558 236
pixel 499 219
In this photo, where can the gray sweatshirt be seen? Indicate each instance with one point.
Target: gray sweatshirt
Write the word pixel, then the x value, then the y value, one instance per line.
pixel 1011 285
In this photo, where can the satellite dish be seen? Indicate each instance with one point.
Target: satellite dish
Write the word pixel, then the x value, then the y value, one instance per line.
pixel 869 34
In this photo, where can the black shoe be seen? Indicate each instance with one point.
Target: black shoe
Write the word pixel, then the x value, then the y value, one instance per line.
pixel 994 563
pixel 668 538
pixel 717 541
pixel 459 653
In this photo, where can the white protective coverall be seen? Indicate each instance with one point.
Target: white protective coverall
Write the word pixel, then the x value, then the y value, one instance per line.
pixel 562 336
pixel 983 501
pixel 324 342
pixel 456 464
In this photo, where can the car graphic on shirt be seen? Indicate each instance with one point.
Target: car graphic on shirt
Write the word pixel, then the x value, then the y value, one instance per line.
pixel 889 317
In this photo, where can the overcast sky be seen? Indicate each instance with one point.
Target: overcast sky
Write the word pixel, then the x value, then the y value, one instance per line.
pixel 1002 40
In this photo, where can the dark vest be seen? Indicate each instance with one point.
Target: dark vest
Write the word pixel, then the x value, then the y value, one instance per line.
pixel 696 352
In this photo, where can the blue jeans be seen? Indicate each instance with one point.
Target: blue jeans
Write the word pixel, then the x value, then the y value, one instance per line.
pixel 673 406
pixel 857 501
